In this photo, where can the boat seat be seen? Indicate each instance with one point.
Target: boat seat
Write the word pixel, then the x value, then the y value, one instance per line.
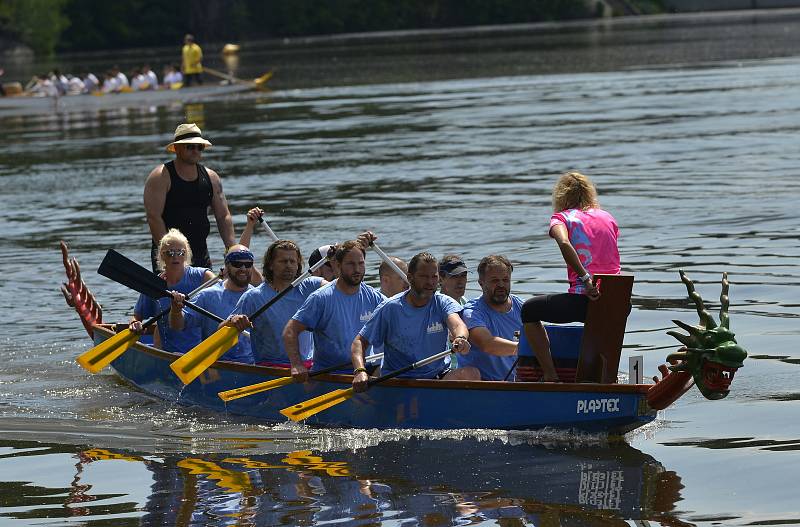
pixel 565 347
pixel 591 352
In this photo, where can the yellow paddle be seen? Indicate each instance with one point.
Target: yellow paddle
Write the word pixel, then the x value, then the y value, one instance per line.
pixel 253 389
pixel 306 409
pixel 104 353
pixel 194 362
pixel 258 82
pixel 101 355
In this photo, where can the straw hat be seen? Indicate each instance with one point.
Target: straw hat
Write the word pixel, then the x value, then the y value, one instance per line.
pixel 187 134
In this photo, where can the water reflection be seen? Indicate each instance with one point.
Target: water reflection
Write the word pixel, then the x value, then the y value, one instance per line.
pixel 415 481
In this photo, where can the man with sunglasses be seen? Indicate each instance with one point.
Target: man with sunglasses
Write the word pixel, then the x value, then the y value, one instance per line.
pixel 179 193
pixel 220 300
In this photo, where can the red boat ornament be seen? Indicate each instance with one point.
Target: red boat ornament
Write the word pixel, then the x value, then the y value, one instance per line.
pixel 78 295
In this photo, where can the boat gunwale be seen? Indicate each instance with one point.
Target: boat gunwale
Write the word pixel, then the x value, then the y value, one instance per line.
pixel 490 386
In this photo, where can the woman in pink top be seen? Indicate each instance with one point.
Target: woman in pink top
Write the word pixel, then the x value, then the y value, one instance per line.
pixel 587 237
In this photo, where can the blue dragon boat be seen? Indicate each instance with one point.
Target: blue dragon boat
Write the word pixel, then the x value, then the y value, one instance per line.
pixel 587 357
pixel 396 403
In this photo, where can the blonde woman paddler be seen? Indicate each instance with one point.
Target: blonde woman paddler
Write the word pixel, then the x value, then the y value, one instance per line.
pixel 174 254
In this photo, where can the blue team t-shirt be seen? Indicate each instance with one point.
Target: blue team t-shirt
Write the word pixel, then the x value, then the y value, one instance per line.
pixel 409 334
pixel 335 319
pixel 266 337
pixel 477 313
pixel 221 302
pixel 179 341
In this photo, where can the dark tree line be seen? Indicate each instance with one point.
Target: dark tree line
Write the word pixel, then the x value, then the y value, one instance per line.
pixel 81 25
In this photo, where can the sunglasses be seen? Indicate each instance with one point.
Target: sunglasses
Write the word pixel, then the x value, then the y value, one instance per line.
pixel 192 146
pixel 172 253
pixel 241 263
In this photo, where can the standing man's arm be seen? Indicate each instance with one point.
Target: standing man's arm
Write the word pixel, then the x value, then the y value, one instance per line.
pixel 291 335
pixel 155 196
pixel 220 207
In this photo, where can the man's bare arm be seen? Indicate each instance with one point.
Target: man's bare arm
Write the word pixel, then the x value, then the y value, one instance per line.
pixel 291 334
pixel 488 343
pixel 219 205
pixel 155 196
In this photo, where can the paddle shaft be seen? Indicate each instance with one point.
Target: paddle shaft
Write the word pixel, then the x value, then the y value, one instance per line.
pixel 270 232
pixel 412 366
pixel 288 288
pixel 225 76
pixel 390 263
pixel 149 322
pixel 511 369
pixel 257 83
pixel 329 369
pixel 199 309
pixel 260 387
pixel 192 306
pixel 311 407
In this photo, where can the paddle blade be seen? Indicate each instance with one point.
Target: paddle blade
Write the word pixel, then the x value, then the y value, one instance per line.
pixel 306 409
pixel 101 355
pixel 125 271
pixel 253 389
pixel 263 79
pixel 197 360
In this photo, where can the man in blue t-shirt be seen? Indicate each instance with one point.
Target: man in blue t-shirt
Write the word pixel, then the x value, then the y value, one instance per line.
pixel 493 319
pixel 413 326
pixel 220 300
pixel 282 265
pixel 334 314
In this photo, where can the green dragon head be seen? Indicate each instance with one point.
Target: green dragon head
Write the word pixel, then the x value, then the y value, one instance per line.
pixel 710 352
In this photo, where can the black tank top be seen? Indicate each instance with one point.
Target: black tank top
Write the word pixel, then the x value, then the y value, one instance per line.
pixel 186 206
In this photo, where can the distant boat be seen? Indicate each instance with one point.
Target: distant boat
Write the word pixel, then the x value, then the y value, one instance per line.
pixel 30 105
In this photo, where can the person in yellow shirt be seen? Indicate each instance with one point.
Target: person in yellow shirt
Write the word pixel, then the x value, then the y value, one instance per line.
pixel 192 66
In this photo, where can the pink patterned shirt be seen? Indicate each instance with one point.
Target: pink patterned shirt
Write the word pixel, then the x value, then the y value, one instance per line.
pixel 594 234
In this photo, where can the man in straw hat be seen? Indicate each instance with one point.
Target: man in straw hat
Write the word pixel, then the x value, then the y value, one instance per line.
pixel 178 194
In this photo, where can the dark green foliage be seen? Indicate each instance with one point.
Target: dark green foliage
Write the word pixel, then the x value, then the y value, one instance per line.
pixel 37 23
pixel 82 25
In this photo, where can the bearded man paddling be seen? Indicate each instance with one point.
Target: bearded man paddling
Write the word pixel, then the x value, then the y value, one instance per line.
pixel 283 263
pixel 220 300
pixel 413 326
pixel 493 320
pixel 334 313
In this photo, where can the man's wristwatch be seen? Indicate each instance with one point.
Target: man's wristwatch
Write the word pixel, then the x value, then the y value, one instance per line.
pixel 359 370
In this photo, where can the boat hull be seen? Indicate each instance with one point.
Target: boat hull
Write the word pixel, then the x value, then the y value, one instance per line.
pixel 397 403
pixel 17 106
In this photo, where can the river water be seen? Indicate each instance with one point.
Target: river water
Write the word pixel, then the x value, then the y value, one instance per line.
pixel 697 158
